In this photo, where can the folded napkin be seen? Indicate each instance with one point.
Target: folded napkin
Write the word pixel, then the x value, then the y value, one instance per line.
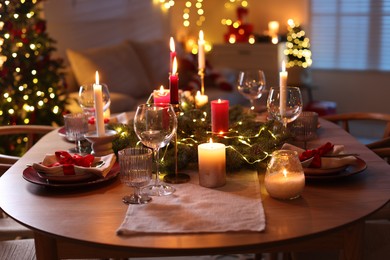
pixel 62 163
pixel 194 209
pixel 122 118
pixel 319 159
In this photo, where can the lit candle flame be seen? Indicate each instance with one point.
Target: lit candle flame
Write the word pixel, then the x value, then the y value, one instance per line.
pixel 211 140
pixel 161 91
pixel 97 78
pixel 284 173
pixel 172 44
pixel 174 66
pixel 219 100
pixel 283 66
pixel 201 35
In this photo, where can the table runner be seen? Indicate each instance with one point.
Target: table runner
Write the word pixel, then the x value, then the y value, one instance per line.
pixel 237 206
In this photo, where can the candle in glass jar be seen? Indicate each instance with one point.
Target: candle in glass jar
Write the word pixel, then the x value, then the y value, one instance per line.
pixel 161 96
pixel 201 100
pixel 285 185
pixel 220 116
pixel 174 84
pixel 98 96
pixel 283 89
pixel 212 164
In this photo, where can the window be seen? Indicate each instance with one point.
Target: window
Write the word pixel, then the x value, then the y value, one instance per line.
pixel 350 34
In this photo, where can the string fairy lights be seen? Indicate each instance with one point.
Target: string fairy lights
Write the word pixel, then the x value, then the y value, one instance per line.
pixel 164 4
pixel 249 143
pixel 199 10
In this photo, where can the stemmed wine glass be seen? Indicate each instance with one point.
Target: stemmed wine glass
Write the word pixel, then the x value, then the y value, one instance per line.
pixel 87 101
pixel 155 125
pixel 285 106
pixel 251 84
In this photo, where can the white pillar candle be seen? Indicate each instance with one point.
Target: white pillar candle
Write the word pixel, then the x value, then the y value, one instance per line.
pixel 201 57
pixel 285 185
pixel 212 164
pixel 283 89
pixel 201 100
pixel 97 90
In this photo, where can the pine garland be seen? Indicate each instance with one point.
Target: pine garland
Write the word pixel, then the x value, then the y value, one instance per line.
pixel 249 143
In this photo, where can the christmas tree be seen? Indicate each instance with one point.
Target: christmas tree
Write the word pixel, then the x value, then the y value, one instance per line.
pixel 297 47
pixel 31 84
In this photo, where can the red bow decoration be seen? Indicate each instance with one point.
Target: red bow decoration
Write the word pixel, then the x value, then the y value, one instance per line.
pixel 68 161
pixel 91 120
pixel 316 154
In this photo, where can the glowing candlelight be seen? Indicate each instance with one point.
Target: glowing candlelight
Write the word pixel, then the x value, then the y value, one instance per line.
pixel 161 95
pixel 201 57
pixel 283 89
pixel 174 84
pixel 273 28
pixel 172 53
pixel 212 164
pixel 201 100
pixel 284 178
pixel 97 89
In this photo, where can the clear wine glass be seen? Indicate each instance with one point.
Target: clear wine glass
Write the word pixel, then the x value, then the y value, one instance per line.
pixel 136 171
pixel 251 84
pixel 155 125
pixel 87 101
pixel 285 106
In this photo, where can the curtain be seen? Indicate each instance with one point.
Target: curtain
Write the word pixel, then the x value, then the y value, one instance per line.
pixel 350 34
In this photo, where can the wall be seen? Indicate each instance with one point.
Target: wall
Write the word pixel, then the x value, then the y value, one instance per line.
pixel 354 90
pixel 83 24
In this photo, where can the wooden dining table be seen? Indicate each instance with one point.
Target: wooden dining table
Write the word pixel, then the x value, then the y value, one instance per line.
pixel 81 222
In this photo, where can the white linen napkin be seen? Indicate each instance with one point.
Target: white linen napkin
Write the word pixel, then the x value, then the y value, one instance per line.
pixel 194 209
pixel 122 118
pixel 101 171
pixel 328 162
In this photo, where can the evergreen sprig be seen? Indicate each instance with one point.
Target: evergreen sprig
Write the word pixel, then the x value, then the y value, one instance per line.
pixel 249 143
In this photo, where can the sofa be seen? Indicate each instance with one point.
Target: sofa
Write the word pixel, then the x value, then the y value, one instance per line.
pixel 132 70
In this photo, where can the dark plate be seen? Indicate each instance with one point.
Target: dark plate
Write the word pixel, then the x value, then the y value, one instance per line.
pixel 359 166
pixel 31 175
pixel 320 171
pixel 62 132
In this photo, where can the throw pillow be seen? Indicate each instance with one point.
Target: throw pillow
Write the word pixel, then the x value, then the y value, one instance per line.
pixel 118 66
pixel 154 56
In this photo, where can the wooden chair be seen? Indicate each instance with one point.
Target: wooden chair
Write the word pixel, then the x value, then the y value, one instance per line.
pixel 10 229
pixel 346 118
pixel 381 147
pixel 30 131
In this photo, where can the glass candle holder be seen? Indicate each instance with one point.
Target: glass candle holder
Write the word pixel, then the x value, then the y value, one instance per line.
pixel 284 178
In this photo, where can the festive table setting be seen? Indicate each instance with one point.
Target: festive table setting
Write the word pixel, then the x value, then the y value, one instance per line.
pixel 210 139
